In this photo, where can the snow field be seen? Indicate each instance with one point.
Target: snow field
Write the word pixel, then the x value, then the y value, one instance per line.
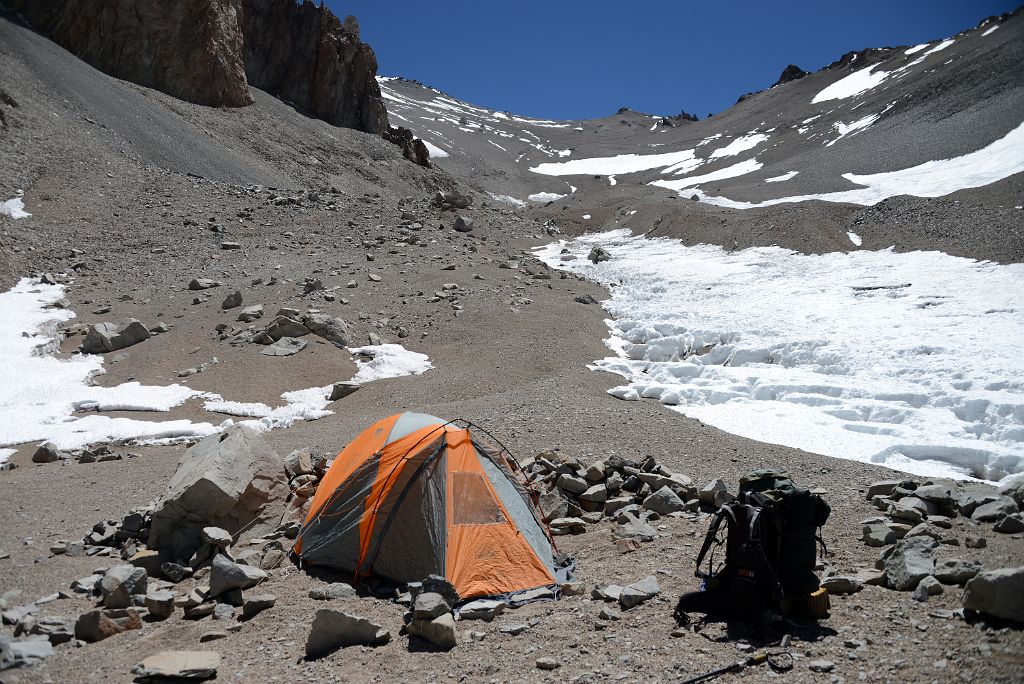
pixel 49 399
pixel 906 360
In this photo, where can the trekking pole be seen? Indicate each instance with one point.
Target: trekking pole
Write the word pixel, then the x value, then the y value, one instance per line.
pixel 755 659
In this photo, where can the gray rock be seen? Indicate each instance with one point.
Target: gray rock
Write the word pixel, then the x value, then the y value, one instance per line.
pixel 56 629
pixel 928 586
pixel 120 583
pixel 909 509
pixel 839 585
pixel 232 301
pixel 333 629
pixel 439 631
pixel 160 604
pixel 606 592
pixel 256 604
pixel 179 665
pixel 553 505
pixel 250 313
pixel 999 593
pixel 23 652
pixel 285 326
pixel 1013 487
pixel 908 562
pixel 1011 524
pixel 821 666
pixel 664 501
pixel 202 284
pixel 212 635
pixel 548 663
pixel 597 493
pixel 514 629
pixel 638 592
pixel 956 571
pixel 974 496
pixel 560 526
pixel 86 585
pixel 429 605
pixel 572 484
pixel 47 452
pixel 175 572
pixel 631 527
pixel 714 494
pixel 340 390
pixel 881 488
pixel 286 346
pixel 995 510
pixel 463 224
pixel 229 480
pixel 482 609
pixel 216 536
pixel 877 535
pixel 226 575
pixel 330 328
pixel 335 590
pixel 107 337
pixel 223 611
pixel 599 254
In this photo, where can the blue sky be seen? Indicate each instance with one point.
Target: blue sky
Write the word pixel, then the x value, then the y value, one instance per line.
pixel 565 60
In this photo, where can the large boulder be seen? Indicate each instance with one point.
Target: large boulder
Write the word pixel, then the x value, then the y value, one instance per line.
pixel 908 562
pixel 333 629
pixel 999 593
pixel 226 575
pixel 120 583
pixel 231 480
pixel 330 328
pixel 107 337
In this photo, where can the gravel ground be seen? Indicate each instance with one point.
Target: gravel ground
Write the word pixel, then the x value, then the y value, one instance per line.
pixel 512 358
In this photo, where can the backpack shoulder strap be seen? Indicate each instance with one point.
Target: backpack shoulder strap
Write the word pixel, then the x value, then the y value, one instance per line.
pixel 709 539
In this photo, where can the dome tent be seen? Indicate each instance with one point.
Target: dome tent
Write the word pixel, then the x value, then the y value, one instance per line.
pixel 414 495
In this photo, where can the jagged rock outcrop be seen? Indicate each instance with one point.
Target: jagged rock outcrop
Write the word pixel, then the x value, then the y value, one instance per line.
pixel 210 51
pixel 413 148
pixel 191 49
pixel 790 73
pixel 306 55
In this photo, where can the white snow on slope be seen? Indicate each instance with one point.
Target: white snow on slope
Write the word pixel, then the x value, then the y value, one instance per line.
pixel 781 179
pixel 907 360
pixel 388 361
pixel 46 398
pixel 845 129
pixel 14 207
pixel 941 46
pixel 856 83
pixel 607 166
pixel 738 169
pixel 988 31
pixel 992 163
pixel 854 238
pixel 508 199
pixel 740 144
pixel 915 49
pixel 435 151
pixel 544 197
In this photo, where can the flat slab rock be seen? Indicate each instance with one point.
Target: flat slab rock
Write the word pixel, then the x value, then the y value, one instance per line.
pixel 333 629
pixel 180 665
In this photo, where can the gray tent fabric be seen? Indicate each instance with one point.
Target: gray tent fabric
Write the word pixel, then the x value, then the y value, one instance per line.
pixel 410 422
pixel 410 538
pixel 518 509
pixel 333 535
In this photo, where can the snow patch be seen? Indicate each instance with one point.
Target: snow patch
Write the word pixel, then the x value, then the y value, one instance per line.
pixel 740 144
pixel 988 31
pixel 507 199
pixel 388 361
pixel 607 166
pixel 14 207
pixel 435 151
pixel 845 129
pixel 544 197
pixel 781 179
pixel 906 360
pixel 738 169
pixel 994 162
pixel 856 83
pixel 854 238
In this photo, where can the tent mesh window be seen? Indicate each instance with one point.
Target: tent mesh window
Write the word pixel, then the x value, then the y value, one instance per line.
pixel 473 502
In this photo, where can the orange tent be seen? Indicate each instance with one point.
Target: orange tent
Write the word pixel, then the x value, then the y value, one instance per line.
pixel 414 495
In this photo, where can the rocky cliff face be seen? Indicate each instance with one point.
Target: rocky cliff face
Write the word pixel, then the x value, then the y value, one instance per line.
pixel 191 49
pixel 210 51
pixel 307 56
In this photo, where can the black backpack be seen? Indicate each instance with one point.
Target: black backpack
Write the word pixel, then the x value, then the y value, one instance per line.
pixel 770 551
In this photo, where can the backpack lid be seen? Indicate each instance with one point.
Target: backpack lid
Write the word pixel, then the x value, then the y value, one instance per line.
pixel 768 481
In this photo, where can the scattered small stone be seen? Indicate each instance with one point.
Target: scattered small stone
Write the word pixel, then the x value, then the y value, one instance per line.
pixel 336 590
pixel 548 663
pixel 821 665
